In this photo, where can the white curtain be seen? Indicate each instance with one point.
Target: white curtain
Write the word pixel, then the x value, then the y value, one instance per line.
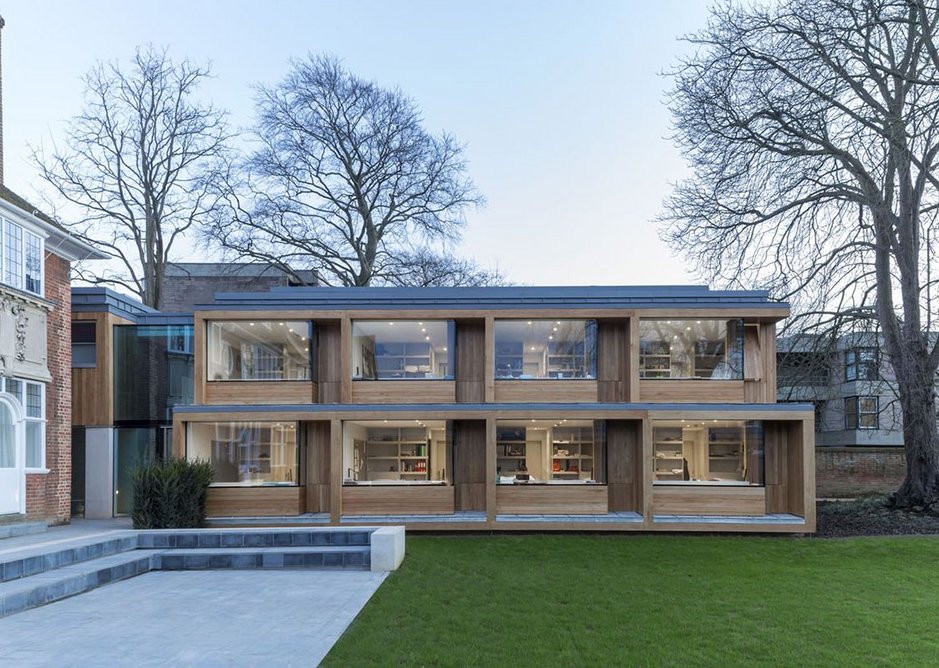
pixel 7 438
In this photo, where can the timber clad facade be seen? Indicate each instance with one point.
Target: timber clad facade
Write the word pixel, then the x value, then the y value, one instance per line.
pixel 596 408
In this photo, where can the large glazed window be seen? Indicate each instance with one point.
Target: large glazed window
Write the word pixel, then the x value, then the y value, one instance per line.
pixel 559 451
pixel 861 364
pixel 32 399
pixel 402 349
pixel 246 453
pixel 691 349
pixel 546 349
pixel 153 370
pixel 396 452
pixel 21 254
pixel 708 452
pixel 258 350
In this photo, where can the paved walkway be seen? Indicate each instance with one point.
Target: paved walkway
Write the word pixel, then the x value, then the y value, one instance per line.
pixel 79 528
pixel 192 618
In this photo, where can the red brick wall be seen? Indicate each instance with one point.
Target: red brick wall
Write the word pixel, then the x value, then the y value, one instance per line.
pixel 49 496
pixel 849 472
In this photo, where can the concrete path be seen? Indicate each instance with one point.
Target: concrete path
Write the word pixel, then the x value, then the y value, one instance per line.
pixel 79 528
pixel 193 618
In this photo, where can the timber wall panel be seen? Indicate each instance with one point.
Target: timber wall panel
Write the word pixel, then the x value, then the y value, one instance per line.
pixel 317 467
pixel 471 361
pixel 612 360
pixel 93 389
pixel 541 391
pixel 624 462
pixel 329 361
pixel 469 464
pixel 706 500
pixel 397 499
pixel 259 392
pixel 692 391
pixel 403 391
pixel 552 500
pixel 253 501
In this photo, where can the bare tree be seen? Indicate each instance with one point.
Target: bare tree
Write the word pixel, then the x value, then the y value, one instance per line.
pixel 812 127
pixel 346 181
pixel 425 268
pixel 134 166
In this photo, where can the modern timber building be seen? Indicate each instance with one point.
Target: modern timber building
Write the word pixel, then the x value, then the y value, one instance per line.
pixel 519 408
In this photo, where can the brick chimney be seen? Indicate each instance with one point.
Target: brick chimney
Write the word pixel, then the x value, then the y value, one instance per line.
pixel 2 23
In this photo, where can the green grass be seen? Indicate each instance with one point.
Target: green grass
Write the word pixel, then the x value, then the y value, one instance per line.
pixel 652 600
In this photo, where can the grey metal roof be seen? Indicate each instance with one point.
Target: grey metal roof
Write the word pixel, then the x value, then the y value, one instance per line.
pixel 105 300
pixel 557 409
pixel 494 298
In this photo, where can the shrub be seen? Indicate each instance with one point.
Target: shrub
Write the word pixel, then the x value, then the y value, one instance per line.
pixel 171 494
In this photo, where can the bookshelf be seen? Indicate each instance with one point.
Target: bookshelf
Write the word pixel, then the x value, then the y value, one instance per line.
pixel 397 454
pixel 572 453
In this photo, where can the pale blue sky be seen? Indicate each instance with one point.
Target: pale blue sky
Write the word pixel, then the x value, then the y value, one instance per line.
pixel 559 104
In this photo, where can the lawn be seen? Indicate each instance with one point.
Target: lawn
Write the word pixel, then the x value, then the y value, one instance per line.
pixel 652 600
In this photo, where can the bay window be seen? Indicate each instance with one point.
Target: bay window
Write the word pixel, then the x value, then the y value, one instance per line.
pixel 32 398
pixel 21 257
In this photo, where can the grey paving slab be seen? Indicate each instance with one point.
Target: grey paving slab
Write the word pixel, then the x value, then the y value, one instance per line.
pixel 79 528
pixel 193 618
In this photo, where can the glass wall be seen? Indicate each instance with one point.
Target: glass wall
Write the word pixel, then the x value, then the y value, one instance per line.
pixel 396 452
pixel 153 371
pixel 133 447
pixel 402 349
pixel 259 350
pixel 708 452
pixel 559 452
pixel 691 349
pixel 246 453
pixel 555 349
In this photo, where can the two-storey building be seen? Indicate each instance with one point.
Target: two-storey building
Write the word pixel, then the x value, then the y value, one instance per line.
pixel 572 408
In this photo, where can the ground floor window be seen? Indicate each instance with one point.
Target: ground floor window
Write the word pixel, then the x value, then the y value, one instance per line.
pixel 558 451
pixel 708 452
pixel 862 413
pixel 390 452
pixel 32 399
pixel 246 453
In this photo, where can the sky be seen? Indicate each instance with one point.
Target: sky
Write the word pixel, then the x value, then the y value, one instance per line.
pixel 560 105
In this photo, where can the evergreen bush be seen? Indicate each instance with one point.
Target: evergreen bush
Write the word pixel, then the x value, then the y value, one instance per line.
pixel 171 494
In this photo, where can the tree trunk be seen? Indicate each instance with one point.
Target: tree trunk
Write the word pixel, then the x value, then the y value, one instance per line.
pixel 918 403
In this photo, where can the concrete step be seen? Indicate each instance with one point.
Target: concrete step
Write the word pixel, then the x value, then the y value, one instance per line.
pixel 16 529
pixel 55 584
pixel 27 562
pixel 333 556
pixel 269 537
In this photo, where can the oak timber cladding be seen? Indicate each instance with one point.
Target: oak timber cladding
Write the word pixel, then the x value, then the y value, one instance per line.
pixel 708 500
pixel 535 391
pixel 471 361
pixel 612 360
pixel 93 388
pixel 551 500
pixel 692 391
pixel 329 361
pixel 469 464
pixel 624 464
pixel 253 501
pixel 317 458
pixel 259 392
pixel 397 500
pixel 403 391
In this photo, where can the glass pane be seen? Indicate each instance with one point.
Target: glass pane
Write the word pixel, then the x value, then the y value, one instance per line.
pixel 699 349
pixel 557 349
pixel 558 451
pixel 402 349
pixel 246 453
pixel 15 387
pixel 33 444
pixel 149 376
pixel 33 263
pixel 405 452
pixel 13 259
pixel 133 447
pixel 83 332
pixel 868 404
pixel 708 452
pixel 84 355
pixel 34 400
pixel 262 350
pixel 7 438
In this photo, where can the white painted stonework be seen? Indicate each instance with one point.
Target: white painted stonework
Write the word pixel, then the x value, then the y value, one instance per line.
pixel 387 548
pixel 23 336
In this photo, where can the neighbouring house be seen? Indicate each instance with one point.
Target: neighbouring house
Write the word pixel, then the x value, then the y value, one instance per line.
pixel 186 284
pixel 556 408
pixel 35 359
pixel 858 421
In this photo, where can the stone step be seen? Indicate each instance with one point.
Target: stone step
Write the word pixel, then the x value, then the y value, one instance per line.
pixel 22 529
pixel 345 557
pixel 27 562
pixel 269 537
pixel 55 584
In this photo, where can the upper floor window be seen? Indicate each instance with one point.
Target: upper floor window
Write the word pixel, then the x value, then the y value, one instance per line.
pixel 20 258
pixel 84 346
pixel 862 364
pixel 862 413
pixel 555 349
pixel 402 349
pixel 692 349
pixel 258 350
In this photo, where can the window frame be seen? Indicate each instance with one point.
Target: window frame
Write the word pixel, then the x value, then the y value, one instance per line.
pixel 258 459
pixel 852 418
pixel 210 359
pixel 92 326
pixel 589 343
pixel 25 234
pixel 21 396
pixel 853 364
pixel 653 348
pixel 373 359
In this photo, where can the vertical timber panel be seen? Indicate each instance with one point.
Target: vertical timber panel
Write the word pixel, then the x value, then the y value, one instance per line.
pixel 329 362
pixel 490 370
pixel 469 464
pixel 612 367
pixel 470 361
pixel 335 470
pixel 491 469
pixel 318 468
pixel 624 462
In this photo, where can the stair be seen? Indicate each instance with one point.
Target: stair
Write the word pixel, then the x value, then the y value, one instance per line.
pixel 35 576
pixel 13 529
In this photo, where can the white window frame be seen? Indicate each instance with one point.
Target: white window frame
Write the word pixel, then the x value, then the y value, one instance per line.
pixel 25 233
pixel 41 420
